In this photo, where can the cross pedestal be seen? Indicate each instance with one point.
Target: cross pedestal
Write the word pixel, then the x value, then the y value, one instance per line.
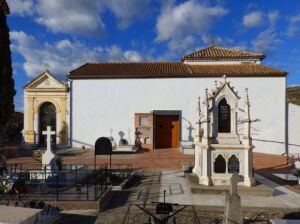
pixel 48 155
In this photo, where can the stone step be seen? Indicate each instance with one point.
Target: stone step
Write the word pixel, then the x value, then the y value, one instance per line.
pixel 196 188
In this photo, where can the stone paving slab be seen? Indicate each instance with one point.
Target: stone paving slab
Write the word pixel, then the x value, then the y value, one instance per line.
pixel 14 215
pixel 258 190
pixel 283 197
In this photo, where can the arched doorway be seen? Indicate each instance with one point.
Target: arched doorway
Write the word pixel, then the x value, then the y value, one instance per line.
pixel 224 118
pixel 47 117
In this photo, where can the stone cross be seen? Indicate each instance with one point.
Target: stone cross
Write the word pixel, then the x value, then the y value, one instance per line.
pixel 233 209
pixel 48 133
pixel 46 65
pixel 234 180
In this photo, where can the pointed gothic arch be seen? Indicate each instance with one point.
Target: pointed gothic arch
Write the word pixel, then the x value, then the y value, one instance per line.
pixel 233 164
pixel 220 164
pixel 224 116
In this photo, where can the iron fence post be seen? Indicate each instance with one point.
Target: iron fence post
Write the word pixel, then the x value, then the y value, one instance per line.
pixel 76 174
pixel 57 185
pixel 87 189
pixel 45 173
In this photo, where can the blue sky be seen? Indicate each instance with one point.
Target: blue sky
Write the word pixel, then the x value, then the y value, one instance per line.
pixel 68 33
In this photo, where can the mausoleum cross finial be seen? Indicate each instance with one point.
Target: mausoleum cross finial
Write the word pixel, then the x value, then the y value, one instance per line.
pixel 47 66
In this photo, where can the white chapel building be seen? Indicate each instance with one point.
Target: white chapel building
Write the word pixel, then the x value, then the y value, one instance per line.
pixel 155 102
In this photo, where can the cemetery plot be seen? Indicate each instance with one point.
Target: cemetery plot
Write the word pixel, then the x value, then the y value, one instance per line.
pixel 72 182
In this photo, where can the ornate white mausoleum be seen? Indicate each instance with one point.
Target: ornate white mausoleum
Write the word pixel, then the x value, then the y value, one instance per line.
pixel 219 149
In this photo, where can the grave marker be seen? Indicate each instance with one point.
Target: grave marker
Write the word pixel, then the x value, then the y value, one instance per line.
pixel 48 156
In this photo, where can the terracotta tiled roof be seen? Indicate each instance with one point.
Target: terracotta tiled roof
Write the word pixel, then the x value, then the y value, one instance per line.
pixel 244 69
pixel 169 70
pixel 131 69
pixel 219 53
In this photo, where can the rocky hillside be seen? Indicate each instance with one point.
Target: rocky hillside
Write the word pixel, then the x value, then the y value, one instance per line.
pixel 293 94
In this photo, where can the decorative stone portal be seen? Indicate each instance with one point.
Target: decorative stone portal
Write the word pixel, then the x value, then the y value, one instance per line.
pixel 45 104
pixel 219 150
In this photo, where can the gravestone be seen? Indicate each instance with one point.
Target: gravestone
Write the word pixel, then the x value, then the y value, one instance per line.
pixel 103 146
pixel 233 209
pixel 48 157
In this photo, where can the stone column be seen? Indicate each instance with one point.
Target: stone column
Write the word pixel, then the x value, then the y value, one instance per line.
pixel 29 133
pixel 198 122
pixel 247 142
pixel 205 148
pixel 197 140
pixel 205 177
pixel 248 166
pixel 247 122
pixel 206 123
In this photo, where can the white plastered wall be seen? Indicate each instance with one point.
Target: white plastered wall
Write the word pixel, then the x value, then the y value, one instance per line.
pixel 293 128
pixel 101 104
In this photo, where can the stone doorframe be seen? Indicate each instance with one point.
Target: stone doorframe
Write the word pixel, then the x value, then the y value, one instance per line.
pixel 45 88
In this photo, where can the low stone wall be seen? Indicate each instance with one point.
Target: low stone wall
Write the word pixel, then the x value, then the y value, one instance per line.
pixel 105 198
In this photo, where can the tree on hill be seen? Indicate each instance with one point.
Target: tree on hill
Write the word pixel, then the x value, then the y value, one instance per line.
pixel 293 95
pixel 7 90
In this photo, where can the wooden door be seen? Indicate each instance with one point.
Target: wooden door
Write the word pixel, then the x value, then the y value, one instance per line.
pixel 166 131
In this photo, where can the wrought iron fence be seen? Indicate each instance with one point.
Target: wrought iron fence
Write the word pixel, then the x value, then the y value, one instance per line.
pixel 74 183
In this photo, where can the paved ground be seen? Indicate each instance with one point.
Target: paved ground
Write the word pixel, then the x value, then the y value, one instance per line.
pixel 207 207
pixel 264 164
pixel 169 162
pixel 178 192
pixel 161 158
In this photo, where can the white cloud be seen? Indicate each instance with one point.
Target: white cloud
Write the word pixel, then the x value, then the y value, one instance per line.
pixel 258 18
pixel 128 10
pixel 75 17
pixel 273 17
pixel 266 41
pixel 180 46
pixel 21 7
pixel 63 55
pixel 132 56
pixel 189 18
pixel 223 42
pixel 293 27
pixel 253 19
pixel 78 17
